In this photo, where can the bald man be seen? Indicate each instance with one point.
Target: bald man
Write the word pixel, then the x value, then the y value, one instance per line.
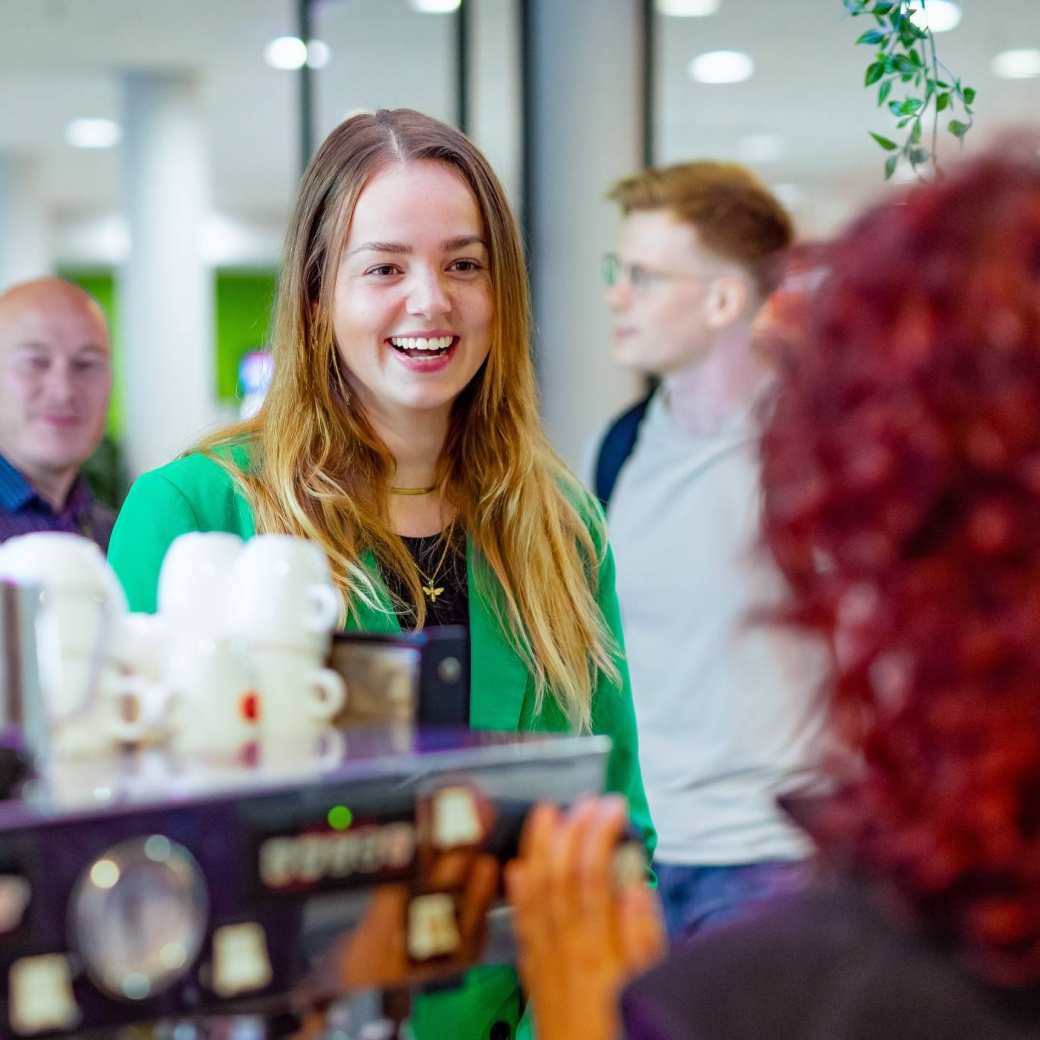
pixel 55 382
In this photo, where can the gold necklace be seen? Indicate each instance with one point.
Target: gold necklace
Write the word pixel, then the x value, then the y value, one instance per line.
pixel 413 491
pixel 431 590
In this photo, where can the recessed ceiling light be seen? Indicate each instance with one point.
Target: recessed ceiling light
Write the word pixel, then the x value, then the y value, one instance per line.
pixel 1017 64
pixel 760 148
pixel 286 52
pixel 318 54
pixel 93 133
pixel 937 15
pixel 687 8
pixel 436 6
pixel 722 67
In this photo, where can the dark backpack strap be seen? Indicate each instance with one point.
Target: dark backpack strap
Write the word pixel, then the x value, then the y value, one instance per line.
pixel 615 448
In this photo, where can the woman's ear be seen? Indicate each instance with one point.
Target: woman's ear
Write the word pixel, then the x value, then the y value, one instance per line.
pixel 727 301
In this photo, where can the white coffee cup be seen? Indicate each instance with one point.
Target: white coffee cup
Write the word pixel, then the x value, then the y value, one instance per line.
pixel 193 580
pixel 282 595
pixel 140 645
pixel 211 695
pixel 296 699
pixel 116 709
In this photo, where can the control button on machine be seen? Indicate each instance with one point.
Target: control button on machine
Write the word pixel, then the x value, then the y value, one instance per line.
pixel 15 894
pixel 432 928
pixel 240 959
pixel 456 819
pixel 40 995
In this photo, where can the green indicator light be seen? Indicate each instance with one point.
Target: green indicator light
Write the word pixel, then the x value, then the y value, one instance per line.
pixel 340 817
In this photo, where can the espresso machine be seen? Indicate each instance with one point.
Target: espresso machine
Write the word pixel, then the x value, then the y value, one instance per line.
pixel 143 888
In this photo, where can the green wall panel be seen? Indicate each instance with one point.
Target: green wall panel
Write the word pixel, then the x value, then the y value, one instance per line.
pixel 244 302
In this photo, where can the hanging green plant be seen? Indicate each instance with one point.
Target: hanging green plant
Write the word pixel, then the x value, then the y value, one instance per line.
pixel 906 56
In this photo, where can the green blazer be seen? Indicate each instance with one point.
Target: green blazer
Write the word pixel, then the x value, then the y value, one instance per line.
pixel 194 493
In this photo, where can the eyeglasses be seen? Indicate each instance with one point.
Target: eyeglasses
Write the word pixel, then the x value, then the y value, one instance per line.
pixel 640 277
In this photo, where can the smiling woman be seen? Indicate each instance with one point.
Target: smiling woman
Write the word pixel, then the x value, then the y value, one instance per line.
pixel 401 434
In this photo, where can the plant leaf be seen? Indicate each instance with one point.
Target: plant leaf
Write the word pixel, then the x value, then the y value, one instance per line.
pixel 890 165
pixel 915 137
pixel 889 146
pixel 883 8
pixel 942 101
pixel 968 94
pixel 883 91
pixel 873 36
pixel 919 156
pixel 957 128
pixel 874 72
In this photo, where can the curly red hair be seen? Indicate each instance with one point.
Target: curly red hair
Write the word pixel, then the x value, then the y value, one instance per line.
pixel 901 469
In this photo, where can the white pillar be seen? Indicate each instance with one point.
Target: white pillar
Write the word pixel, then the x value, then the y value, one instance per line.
pixel 494 101
pixel 25 241
pixel 166 288
pixel 584 132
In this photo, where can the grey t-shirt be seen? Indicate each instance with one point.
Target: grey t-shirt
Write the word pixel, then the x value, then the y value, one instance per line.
pixel 726 711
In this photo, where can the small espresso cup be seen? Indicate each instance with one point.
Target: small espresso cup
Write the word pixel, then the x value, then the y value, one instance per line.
pixel 211 695
pixel 193 580
pixel 296 698
pixel 281 594
pixel 118 709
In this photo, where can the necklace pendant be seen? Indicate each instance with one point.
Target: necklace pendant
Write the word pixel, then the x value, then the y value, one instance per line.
pixel 431 592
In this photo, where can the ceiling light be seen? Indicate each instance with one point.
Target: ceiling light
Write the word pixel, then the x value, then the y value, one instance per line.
pixel 436 6
pixel 93 133
pixel 687 8
pixel 286 52
pixel 937 15
pixel 722 67
pixel 1020 64
pixel 760 148
pixel 318 54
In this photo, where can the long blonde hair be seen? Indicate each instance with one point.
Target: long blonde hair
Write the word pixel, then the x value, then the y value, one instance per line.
pixel 317 468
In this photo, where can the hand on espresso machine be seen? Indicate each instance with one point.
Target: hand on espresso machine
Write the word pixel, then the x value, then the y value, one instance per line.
pixel 585 919
pixel 433 924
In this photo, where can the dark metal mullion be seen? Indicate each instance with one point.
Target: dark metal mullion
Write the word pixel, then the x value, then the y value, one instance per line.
pixel 526 16
pixel 306 81
pixel 649 99
pixel 462 64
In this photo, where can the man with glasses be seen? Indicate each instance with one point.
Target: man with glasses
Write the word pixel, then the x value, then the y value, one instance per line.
pixel 724 708
pixel 55 381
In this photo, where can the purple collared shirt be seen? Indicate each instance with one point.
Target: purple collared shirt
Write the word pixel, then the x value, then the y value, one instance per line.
pixel 22 510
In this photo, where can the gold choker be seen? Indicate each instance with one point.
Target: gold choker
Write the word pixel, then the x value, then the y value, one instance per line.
pixel 413 491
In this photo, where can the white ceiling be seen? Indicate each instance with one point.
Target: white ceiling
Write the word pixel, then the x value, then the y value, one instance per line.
pixel 60 59
pixel 808 87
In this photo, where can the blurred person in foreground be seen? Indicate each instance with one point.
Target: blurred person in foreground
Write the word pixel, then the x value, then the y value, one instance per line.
pixel 55 382
pixel 901 469
pixel 401 434
pixel 725 712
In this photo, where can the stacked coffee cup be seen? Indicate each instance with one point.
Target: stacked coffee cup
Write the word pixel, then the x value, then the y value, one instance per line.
pixel 282 608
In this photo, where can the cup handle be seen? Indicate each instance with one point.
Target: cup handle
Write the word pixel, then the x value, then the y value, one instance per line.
pixel 325 601
pixel 151 699
pixel 330 693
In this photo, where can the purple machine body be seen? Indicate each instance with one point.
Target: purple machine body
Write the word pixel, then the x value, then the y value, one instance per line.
pixel 142 887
